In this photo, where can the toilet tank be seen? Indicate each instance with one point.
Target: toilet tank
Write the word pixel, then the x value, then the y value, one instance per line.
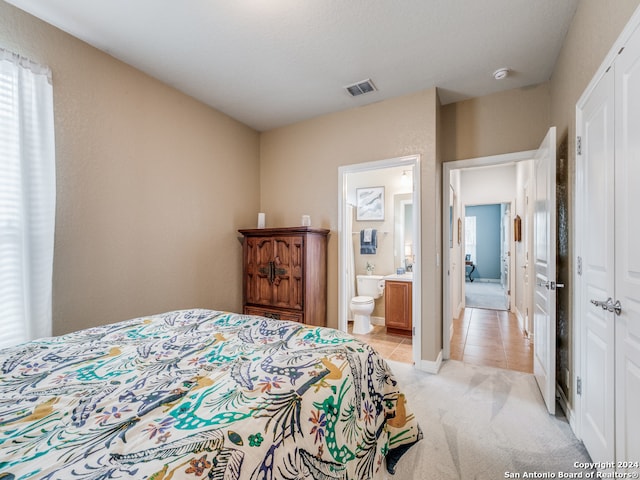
pixel 370 285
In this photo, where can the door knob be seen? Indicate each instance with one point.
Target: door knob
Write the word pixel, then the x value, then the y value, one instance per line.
pixel 616 307
pixel 609 305
pixel 603 304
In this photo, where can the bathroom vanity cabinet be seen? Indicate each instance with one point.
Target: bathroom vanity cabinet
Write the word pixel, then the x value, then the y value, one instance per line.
pixel 398 301
pixel 285 274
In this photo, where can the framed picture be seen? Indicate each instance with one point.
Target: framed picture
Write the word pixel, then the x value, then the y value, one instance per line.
pixel 370 203
pixel 517 229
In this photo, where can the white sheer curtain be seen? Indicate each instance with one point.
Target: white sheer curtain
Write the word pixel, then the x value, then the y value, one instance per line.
pixel 27 199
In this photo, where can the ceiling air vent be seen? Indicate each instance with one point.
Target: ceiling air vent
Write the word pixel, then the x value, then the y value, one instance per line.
pixel 364 86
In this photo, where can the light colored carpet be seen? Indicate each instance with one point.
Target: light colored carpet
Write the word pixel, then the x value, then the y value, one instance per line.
pixel 481 423
pixel 480 294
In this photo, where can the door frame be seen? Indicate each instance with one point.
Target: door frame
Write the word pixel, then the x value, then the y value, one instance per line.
pixel 447 168
pixel 574 415
pixel 344 239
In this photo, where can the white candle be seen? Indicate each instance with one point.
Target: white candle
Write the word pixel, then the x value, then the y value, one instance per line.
pixel 306 221
pixel 261 220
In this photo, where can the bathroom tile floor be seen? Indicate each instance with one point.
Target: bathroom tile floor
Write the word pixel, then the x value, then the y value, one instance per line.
pixel 389 345
pixel 491 338
pixel 485 337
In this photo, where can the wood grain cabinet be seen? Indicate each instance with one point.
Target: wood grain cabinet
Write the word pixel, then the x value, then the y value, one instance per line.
pixel 397 307
pixel 285 274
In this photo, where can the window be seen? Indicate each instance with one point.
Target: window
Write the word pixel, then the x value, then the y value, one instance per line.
pixel 27 199
pixel 470 238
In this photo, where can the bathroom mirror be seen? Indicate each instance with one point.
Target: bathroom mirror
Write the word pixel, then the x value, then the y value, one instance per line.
pixel 403 248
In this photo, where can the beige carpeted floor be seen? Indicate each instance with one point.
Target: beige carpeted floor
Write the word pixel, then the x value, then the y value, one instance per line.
pixel 482 423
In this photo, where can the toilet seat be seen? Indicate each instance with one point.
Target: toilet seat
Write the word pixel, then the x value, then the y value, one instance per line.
pixel 362 300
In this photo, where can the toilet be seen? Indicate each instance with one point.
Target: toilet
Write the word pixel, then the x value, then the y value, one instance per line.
pixel 368 288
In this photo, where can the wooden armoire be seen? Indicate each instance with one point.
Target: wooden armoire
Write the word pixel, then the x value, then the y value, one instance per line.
pixel 285 273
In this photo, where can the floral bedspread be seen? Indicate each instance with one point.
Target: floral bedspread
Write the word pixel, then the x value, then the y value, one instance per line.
pixel 200 394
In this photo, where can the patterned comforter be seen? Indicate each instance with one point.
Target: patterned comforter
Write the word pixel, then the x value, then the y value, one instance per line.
pixel 200 394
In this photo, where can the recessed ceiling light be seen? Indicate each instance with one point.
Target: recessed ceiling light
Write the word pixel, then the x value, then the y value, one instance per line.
pixel 501 73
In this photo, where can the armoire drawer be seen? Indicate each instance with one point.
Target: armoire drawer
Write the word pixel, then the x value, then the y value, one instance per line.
pixel 275 314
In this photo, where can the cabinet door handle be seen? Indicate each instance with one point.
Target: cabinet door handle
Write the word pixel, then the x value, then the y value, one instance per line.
pixel 272 272
pixel 269 271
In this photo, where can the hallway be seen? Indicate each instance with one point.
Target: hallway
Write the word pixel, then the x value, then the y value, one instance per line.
pixel 491 338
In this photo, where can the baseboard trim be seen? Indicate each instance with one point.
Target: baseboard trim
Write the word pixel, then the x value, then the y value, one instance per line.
pixel 520 319
pixel 431 366
pixel 458 310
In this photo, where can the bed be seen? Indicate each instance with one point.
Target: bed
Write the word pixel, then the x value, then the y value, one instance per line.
pixel 200 394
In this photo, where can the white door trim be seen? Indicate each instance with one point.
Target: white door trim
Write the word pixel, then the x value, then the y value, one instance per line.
pixel 447 167
pixel 344 238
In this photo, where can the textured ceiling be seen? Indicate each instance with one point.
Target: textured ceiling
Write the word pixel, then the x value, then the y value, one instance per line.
pixel 270 63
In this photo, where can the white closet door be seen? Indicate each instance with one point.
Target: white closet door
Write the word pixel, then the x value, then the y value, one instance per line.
pixel 627 243
pixel 596 215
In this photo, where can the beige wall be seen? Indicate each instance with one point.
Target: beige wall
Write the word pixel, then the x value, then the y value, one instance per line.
pixel 595 27
pixel 146 177
pixel 510 121
pixel 299 174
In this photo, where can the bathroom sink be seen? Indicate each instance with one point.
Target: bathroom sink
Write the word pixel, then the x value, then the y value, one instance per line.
pixel 404 277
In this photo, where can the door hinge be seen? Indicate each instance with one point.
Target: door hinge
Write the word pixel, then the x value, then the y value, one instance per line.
pixel 579 265
pixel 579 386
pixel 578 145
pixel 413 331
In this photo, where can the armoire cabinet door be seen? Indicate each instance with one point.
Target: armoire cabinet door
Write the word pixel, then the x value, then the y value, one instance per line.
pixel 287 283
pixel 274 271
pixel 258 254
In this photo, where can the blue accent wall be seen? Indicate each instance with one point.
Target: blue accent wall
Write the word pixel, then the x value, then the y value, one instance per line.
pixel 488 226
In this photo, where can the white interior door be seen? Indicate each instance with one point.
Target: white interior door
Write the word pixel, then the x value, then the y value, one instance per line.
pixel 597 220
pixel 627 240
pixel 544 260
pixel 506 255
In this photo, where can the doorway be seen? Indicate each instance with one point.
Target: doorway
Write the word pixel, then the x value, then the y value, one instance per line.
pixel 487 255
pixel 398 242
pixel 500 322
